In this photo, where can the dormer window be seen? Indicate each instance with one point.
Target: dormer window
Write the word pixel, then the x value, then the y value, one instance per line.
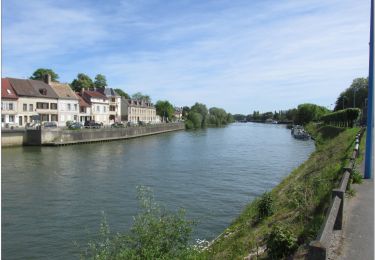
pixel 9 92
pixel 43 91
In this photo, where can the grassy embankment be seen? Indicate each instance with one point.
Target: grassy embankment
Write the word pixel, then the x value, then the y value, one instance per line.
pixel 300 201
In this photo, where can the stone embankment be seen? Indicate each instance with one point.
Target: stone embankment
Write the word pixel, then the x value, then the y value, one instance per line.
pixel 59 136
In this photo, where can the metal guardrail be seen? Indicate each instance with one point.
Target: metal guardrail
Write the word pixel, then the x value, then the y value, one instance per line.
pixel 318 249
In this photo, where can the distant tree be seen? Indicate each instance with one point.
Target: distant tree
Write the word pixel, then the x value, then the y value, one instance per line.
pixel 140 96
pixel 185 111
pixel 196 119
pixel 164 109
pixel 346 99
pixel 309 112
pixel 82 81
pixel 217 116
pixel 100 81
pixel 202 110
pixel 122 93
pixel 239 117
pixel 38 74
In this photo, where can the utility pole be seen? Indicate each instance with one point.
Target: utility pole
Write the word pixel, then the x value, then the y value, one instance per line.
pixel 369 157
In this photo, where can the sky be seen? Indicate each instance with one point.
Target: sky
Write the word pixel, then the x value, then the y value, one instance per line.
pixel 240 55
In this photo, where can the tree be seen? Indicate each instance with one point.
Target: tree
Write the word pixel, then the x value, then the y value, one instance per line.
pixel 38 74
pixel 185 111
pixel 356 93
pixel 140 96
pixel 100 81
pixel 201 109
pixel 122 93
pixel 309 112
pixel 82 81
pixel 164 109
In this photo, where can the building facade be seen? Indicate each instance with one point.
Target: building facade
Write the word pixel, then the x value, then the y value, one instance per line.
pixel 9 104
pixel 37 101
pixel 99 104
pixel 114 101
pixel 67 104
pixel 136 111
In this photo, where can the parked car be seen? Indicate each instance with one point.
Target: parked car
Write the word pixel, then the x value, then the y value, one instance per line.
pixel 132 124
pixel 117 125
pixel 92 124
pixel 50 125
pixel 75 125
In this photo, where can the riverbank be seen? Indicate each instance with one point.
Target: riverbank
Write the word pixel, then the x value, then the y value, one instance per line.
pixel 59 136
pixel 296 206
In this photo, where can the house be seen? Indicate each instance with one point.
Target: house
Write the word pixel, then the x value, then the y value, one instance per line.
pixel 9 103
pixel 114 104
pixel 178 113
pixel 37 101
pixel 84 110
pixel 99 104
pixel 138 111
pixel 67 104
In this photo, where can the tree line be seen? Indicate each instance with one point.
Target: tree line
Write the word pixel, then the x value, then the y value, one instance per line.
pixel 198 116
pixel 349 107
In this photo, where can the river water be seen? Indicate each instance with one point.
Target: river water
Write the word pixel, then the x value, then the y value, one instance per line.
pixel 54 196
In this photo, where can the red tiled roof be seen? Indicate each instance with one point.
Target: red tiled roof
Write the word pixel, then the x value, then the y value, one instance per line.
pixel 94 94
pixel 7 90
pixel 82 102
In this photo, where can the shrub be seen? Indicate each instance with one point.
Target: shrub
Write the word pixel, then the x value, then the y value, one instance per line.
pixel 280 242
pixel 356 177
pixel 265 205
pixel 156 234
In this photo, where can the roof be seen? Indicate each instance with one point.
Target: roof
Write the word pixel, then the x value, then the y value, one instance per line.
pixel 94 94
pixel 63 91
pixel 7 90
pixel 109 92
pixel 82 101
pixel 139 103
pixel 32 88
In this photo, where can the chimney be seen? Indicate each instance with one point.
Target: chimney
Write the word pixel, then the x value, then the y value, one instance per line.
pixel 47 79
pixel 82 90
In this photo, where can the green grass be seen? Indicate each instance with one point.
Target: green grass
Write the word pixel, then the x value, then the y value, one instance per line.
pixel 300 200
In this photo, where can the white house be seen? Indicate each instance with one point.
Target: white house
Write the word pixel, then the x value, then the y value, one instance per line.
pixel 68 103
pixel 114 100
pixel 9 104
pixel 99 105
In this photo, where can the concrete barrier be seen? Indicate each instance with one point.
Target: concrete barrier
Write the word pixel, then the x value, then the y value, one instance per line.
pixel 318 249
pixel 59 136
pixel 15 137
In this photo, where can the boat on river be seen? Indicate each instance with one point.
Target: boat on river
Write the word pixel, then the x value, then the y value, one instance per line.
pixel 299 132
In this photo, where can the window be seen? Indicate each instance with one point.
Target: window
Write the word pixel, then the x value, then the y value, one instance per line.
pixel 24 107
pixel 44 117
pixel 75 118
pixel 40 105
pixel 11 119
pixel 2 118
pixel 75 107
pixel 54 106
pixel 69 107
pixel 10 106
pixel 113 100
pixel 31 107
pixel 9 92
pixel 104 109
pixel 62 118
pixel 54 118
pixel 97 108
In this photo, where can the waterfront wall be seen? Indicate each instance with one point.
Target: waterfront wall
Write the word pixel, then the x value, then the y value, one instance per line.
pixel 16 137
pixel 63 136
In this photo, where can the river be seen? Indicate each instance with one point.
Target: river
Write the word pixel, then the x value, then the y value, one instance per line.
pixel 53 197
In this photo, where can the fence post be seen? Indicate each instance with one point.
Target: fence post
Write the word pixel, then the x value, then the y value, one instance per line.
pixel 317 251
pixel 340 214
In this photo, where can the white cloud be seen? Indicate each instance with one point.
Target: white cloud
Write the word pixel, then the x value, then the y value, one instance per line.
pixel 239 56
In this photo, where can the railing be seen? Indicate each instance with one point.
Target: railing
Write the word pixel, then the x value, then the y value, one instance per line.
pixel 318 249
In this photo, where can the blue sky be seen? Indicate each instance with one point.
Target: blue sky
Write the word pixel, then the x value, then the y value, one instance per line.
pixel 240 55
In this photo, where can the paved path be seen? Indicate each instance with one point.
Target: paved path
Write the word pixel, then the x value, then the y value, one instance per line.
pixel 358 229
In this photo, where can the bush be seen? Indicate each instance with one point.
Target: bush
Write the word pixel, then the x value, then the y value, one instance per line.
pixel 68 123
pixel 265 206
pixel 280 242
pixel 156 234
pixel 356 177
pixel 189 124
